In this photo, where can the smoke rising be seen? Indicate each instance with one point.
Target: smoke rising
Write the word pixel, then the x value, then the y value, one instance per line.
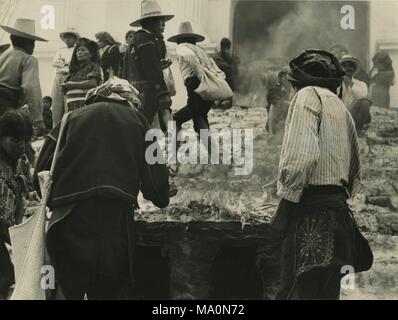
pixel 284 29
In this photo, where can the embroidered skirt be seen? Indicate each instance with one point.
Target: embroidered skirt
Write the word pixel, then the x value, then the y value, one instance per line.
pixel 320 236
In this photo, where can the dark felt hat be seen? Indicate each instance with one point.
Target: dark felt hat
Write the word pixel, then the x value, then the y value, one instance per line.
pixel 316 67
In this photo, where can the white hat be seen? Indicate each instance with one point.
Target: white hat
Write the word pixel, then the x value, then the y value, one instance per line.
pixel 24 28
pixel 185 31
pixel 71 31
pixel 354 60
pixel 150 9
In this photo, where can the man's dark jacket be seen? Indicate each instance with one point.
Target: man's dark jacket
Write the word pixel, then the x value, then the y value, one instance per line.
pixel 102 154
pixel 142 68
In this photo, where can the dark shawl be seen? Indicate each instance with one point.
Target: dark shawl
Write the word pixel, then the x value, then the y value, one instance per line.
pixel 103 154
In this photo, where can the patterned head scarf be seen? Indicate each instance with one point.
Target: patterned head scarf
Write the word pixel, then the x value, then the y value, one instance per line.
pixel 117 90
pixel 382 57
pixel 316 68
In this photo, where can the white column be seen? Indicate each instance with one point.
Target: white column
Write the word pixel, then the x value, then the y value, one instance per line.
pixel 7 10
pixel 194 11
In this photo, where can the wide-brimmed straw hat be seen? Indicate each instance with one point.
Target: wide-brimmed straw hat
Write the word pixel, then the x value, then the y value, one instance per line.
pixel 24 28
pixel 350 58
pixel 186 31
pixel 150 9
pixel 71 31
pixel 4 47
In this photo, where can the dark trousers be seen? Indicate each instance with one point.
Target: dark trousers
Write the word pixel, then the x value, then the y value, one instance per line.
pixel 91 250
pixel 195 110
pixel 6 271
pixel 150 105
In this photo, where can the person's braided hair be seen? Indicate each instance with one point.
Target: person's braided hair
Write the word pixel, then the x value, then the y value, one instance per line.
pixel 15 124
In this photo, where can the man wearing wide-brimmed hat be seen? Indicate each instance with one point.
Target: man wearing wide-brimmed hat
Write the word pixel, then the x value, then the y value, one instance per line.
pixel 191 59
pixel 61 62
pixel 19 73
pixel 319 170
pixel 146 60
pixel 355 93
pixel 353 89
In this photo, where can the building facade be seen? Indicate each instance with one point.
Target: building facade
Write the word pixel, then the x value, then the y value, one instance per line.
pixel 258 28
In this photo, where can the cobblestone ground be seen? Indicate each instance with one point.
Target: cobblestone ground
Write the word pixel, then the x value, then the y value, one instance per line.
pixel 216 193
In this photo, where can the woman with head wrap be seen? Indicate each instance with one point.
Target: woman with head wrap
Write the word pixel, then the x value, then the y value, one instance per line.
pixel 100 170
pixel 383 77
pixel 355 92
pixel 85 73
pixel 319 170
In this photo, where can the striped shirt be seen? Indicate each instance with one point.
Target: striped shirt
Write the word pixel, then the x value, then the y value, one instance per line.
pixel 75 98
pixel 320 145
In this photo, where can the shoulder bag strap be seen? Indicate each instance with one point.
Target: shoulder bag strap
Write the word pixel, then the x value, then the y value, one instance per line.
pixel 57 147
pixel 320 100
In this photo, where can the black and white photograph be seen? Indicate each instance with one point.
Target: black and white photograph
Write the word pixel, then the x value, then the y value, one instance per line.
pixel 195 156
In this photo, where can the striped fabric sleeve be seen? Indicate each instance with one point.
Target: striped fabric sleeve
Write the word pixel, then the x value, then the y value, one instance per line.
pixel 300 150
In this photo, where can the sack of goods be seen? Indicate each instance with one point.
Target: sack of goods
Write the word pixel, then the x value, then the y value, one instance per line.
pixel 213 86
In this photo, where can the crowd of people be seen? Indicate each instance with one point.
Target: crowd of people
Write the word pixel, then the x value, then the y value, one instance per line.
pixel 359 91
pixel 106 96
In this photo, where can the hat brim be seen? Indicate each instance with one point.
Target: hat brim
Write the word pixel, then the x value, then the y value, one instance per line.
pixel 195 36
pixel 351 60
pixel 63 34
pixel 21 34
pixel 4 47
pixel 137 23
